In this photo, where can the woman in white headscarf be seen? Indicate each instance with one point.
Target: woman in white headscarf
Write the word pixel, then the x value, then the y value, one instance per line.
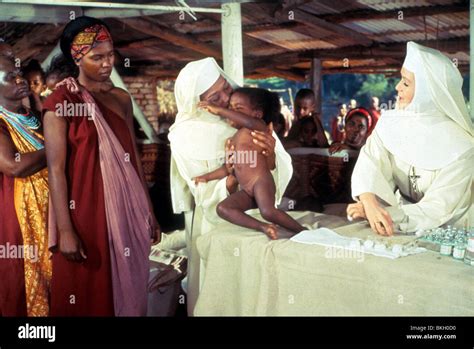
pixel 416 170
pixel 197 141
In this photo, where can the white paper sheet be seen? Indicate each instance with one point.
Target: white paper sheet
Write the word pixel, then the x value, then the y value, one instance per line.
pixel 329 238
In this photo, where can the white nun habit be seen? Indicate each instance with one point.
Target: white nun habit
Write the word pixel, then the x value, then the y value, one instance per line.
pixel 419 160
pixel 197 141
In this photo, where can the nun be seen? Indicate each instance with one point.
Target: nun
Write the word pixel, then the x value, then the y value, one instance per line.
pixel 197 140
pixel 416 170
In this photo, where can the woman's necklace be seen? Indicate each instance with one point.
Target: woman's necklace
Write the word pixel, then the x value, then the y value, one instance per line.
pixel 24 125
pixel 29 120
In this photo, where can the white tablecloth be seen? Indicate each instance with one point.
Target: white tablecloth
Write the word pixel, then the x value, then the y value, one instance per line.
pixel 247 274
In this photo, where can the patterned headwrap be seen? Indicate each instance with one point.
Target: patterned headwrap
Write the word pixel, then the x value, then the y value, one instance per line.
pixel 363 112
pixel 88 39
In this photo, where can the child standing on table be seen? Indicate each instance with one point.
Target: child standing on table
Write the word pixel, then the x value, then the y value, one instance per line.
pixel 251 109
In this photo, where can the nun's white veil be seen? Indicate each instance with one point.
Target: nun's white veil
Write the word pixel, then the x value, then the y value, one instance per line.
pixel 435 128
pixel 210 132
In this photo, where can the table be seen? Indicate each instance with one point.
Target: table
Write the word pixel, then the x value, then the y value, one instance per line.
pixel 247 274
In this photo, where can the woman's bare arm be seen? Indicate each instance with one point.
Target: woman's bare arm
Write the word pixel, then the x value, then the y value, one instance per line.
pixel 55 134
pixel 14 164
pixel 55 141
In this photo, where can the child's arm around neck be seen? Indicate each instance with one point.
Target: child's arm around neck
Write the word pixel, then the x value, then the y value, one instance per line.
pixel 239 120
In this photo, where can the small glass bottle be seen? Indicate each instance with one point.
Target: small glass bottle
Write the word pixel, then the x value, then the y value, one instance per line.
pixel 446 248
pixel 469 254
pixel 459 250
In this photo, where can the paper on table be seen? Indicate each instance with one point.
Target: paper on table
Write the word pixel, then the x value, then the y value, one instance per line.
pixel 328 237
pixel 322 236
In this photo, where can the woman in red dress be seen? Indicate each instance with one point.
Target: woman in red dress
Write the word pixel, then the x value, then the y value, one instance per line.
pixel 100 205
pixel 25 269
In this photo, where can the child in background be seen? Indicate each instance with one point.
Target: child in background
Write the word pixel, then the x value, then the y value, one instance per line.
pixel 59 69
pixel 34 75
pixel 280 126
pixel 251 109
pixel 337 125
pixel 305 105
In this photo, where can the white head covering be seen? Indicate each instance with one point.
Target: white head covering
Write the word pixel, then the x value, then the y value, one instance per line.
pixel 196 126
pixel 435 128
pixel 193 80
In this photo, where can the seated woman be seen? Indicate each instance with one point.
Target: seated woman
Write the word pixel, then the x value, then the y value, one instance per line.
pixel 416 169
pixel 358 124
pixel 251 109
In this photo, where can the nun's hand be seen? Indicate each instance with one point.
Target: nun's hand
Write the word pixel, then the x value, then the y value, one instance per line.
pixel 379 219
pixel 266 141
pixel 355 211
pixel 211 108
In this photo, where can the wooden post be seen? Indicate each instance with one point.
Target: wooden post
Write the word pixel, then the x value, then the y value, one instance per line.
pixel 232 42
pixel 316 82
pixel 55 51
pixel 137 112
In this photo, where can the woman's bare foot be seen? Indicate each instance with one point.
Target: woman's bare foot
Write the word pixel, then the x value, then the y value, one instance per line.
pixel 270 230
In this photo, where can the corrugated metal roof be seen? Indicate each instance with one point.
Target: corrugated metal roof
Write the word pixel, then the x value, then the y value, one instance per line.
pixel 386 5
pixel 329 6
pixel 267 36
pixel 12 32
pixel 378 26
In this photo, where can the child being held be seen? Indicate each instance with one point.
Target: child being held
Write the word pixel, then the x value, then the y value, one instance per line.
pixel 250 109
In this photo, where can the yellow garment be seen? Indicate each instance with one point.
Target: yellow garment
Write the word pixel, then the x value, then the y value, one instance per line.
pixel 31 206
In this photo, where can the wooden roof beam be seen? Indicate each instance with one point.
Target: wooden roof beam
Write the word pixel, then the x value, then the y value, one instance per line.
pixel 284 74
pixel 321 24
pixel 41 38
pixel 153 29
pixel 189 42
pixel 289 5
pixel 407 12
pixel 429 30
pixel 254 64
pixel 248 29
pixel 389 49
pixel 363 69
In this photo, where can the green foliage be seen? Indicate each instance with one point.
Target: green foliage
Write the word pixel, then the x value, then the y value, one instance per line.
pixel 282 86
pixel 377 85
